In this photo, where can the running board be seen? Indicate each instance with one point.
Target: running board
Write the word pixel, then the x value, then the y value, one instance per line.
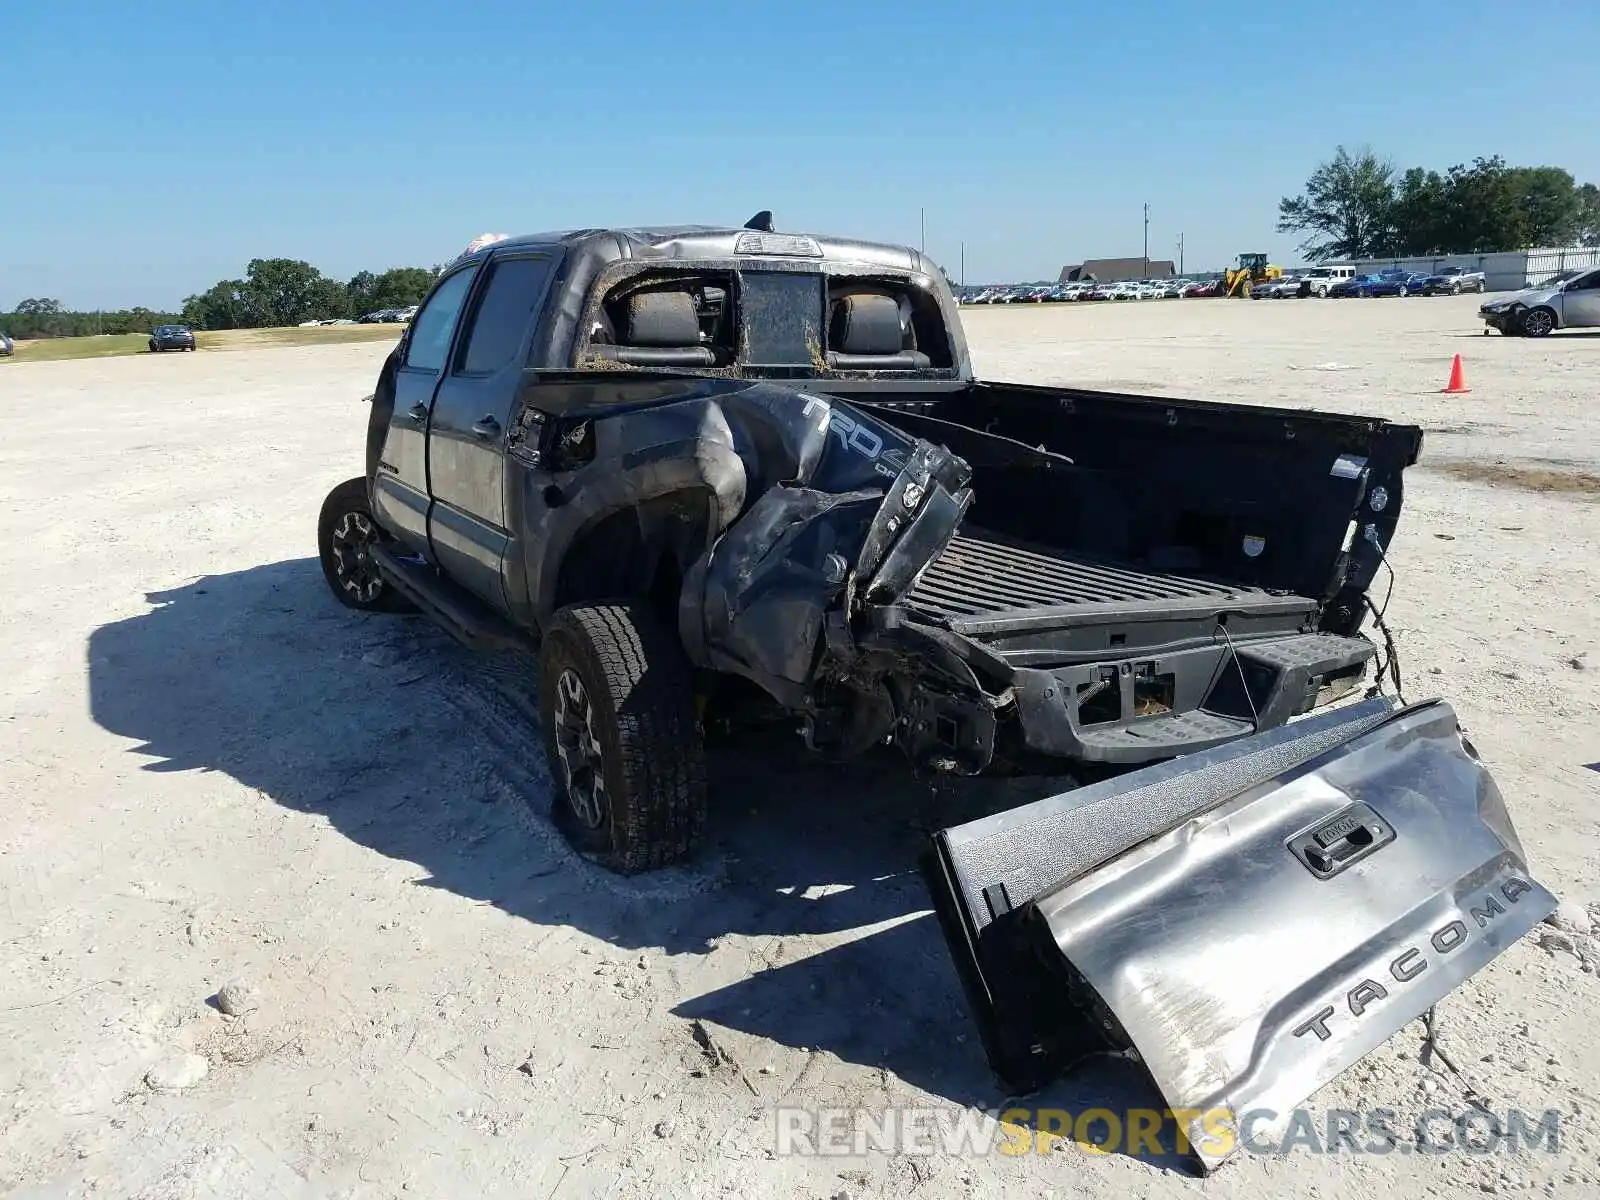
pixel 462 615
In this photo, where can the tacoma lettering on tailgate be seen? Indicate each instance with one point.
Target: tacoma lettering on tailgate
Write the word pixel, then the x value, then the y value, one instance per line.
pixel 1412 962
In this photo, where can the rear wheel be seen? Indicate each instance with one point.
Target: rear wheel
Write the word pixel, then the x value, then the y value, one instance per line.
pixel 346 534
pixel 1322 293
pixel 624 745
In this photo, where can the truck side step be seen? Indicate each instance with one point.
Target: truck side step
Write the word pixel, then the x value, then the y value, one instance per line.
pixel 1174 733
pixel 466 618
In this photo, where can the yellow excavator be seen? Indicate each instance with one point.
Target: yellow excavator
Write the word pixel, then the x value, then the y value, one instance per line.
pixel 1252 269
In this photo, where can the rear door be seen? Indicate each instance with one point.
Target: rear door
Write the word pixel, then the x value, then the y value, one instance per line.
pixel 471 415
pixel 400 486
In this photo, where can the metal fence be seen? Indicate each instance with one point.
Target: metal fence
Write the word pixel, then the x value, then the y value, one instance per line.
pixel 1544 263
pixel 1505 270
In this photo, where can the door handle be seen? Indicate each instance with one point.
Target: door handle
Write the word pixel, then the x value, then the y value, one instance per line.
pixel 486 427
pixel 418 412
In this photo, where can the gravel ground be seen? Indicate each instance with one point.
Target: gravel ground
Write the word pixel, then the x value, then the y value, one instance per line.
pixel 282 920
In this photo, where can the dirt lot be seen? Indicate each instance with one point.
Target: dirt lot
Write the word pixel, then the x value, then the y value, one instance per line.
pixel 212 771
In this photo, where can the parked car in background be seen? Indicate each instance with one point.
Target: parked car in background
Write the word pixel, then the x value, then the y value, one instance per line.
pixel 1359 285
pixel 171 337
pixel 1400 283
pixel 7 346
pixel 1453 281
pixel 1568 300
pixel 1286 288
pixel 1319 281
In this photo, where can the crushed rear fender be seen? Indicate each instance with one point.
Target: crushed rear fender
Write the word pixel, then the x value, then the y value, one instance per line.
pixel 844 507
pixel 1250 920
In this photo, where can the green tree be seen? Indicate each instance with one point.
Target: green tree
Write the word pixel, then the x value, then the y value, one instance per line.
pixel 1346 207
pixel 286 291
pixel 224 305
pixel 1485 208
pixel 1420 214
pixel 1588 219
pixel 41 318
pixel 1550 201
pixel 360 290
pixel 398 287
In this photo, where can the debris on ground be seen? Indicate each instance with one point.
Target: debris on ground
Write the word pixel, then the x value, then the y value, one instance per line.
pixel 176 1072
pixel 238 997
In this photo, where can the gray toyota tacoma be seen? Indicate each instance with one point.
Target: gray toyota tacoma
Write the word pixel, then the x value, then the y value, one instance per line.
pixel 710 475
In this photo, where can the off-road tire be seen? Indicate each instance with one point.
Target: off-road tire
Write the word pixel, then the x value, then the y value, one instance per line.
pixel 639 689
pixel 349 501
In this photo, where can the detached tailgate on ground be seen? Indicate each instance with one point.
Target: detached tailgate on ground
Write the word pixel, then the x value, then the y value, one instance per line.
pixel 1251 920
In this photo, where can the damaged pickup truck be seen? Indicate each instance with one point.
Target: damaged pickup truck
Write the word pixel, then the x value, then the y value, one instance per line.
pixel 705 473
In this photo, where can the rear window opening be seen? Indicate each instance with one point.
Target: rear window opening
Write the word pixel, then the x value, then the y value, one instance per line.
pixel 879 324
pixel 773 320
pixel 672 320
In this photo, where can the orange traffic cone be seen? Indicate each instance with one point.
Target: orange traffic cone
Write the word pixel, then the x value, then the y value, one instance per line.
pixel 1458 378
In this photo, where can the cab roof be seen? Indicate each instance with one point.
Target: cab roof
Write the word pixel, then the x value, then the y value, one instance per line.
pixel 714 242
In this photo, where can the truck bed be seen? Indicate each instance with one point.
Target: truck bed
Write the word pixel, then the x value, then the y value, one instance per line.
pixel 983 584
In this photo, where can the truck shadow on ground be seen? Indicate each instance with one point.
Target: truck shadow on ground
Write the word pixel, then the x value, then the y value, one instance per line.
pixel 424 752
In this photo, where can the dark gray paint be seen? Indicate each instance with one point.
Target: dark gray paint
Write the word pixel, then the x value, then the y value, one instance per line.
pixel 792 512
pixel 476 480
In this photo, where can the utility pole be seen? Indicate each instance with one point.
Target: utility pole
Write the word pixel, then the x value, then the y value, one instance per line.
pixel 1180 254
pixel 923 246
pixel 963 264
pixel 1146 274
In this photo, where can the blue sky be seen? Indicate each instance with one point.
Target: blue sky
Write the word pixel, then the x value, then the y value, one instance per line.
pixel 148 151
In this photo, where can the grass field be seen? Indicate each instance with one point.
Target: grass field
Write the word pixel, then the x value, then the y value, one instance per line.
pixel 111 345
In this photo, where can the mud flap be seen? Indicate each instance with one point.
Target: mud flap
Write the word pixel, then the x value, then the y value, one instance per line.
pixel 1250 920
